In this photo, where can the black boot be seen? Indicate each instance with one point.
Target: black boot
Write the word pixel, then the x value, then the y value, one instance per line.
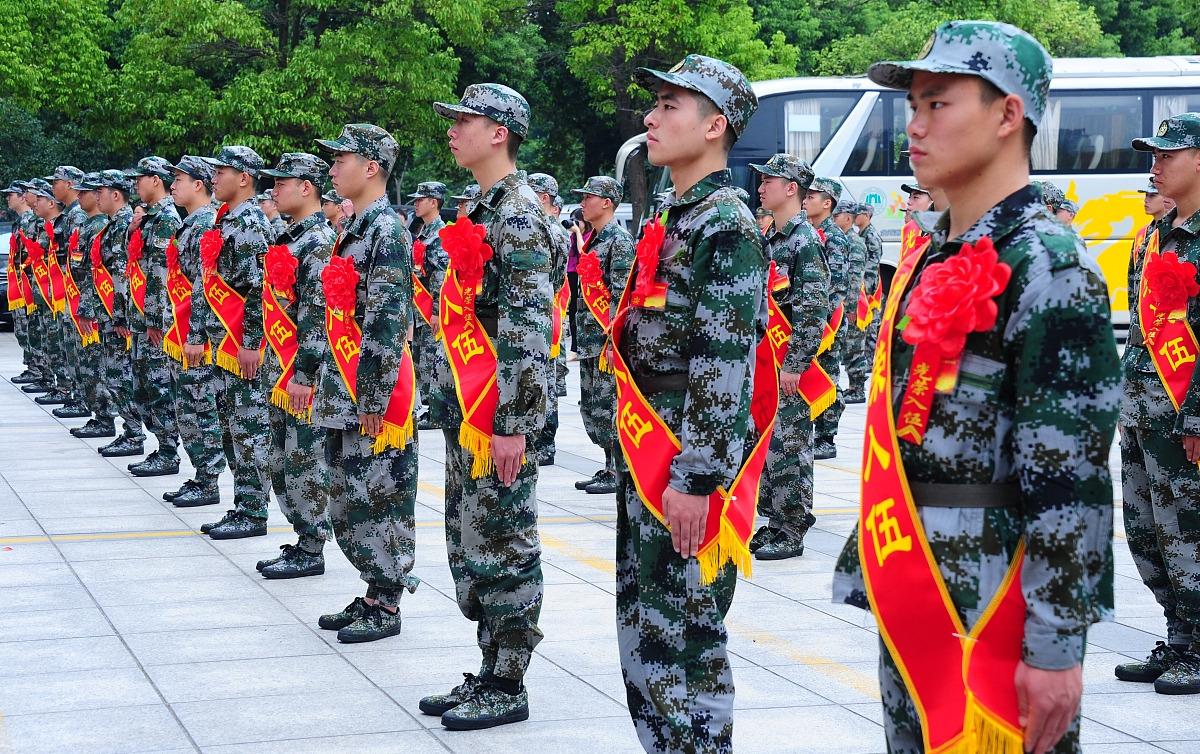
pixel 604 484
pixel 72 411
pixel 34 388
pixel 824 449
pixel 24 378
pixel 583 484
pixel 229 516
pixel 158 464
pixel 53 398
pixel 95 428
pixel 199 493
pixel 122 446
pixel 240 526
pixel 295 563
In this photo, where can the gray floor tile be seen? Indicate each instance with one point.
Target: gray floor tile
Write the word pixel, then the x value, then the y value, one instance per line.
pixel 123 730
pixel 256 678
pixel 372 743
pixel 61 622
pixel 221 643
pixel 76 690
pixel 63 655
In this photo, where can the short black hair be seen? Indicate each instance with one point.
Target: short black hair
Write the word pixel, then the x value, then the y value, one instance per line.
pixel 707 107
pixel 513 144
pixel 989 93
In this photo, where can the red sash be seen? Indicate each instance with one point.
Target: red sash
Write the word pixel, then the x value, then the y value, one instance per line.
pixel 135 273
pixel 73 251
pixel 596 297
pixel 106 289
pixel 469 350
pixel 832 328
pixel 1165 329
pixel 16 295
pixel 422 300
pixel 226 303
pixel 649 447
pixel 41 272
pixel 345 345
pixel 1139 239
pixel 179 292
pixel 868 305
pixel 72 291
pixel 558 314
pixel 817 388
pixel 961 684
pixel 279 327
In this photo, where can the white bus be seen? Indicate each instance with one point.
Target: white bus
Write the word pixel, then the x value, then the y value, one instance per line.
pixel 853 129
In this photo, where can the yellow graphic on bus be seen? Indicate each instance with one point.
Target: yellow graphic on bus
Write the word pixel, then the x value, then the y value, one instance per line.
pixel 1107 224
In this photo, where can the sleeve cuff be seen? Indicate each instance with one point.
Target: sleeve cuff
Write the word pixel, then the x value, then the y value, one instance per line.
pixel 1047 649
pixel 690 483
pixel 1188 425
pixel 515 425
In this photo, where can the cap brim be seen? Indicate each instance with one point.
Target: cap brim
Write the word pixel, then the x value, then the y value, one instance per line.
pixel 765 170
pixel 1151 143
pixel 216 163
pixel 335 145
pixel 649 78
pixel 279 174
pixel 897 74
pixel 450 111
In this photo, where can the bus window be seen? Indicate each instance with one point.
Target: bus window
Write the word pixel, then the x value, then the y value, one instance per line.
pixel 880 146
pixel 1167 104
pixel 811 119
pixel 1090 133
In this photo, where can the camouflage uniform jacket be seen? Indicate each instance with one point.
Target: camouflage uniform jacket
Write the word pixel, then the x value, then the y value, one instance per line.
pixel 245 233
pixel 59 225
pixel 278 227
pixel 311 243
pixel 715 266
pixel 517 295
pixel 1035 406
pixel 837 255
pixel 436 261
pixel 82 270
pixel 75 217
pixel 1144 401
pixel 187 244
pixel 615 249
pixel 856 264
pixel 796 250
pixel 112 254
pixel 870 237
pixel 159 226
pixel 381 249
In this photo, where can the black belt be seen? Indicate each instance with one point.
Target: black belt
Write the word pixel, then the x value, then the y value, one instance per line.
pixel 661 383
pixel 491 325
pixel 964 495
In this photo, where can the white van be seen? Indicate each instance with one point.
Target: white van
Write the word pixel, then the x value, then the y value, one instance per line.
pixel 852 129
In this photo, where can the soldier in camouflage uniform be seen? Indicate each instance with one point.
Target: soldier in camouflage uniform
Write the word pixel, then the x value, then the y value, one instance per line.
pixel 766 221
pixel 35 329
pixel 852 338
pixel 491 522
pixel 62 184
pixel 372 496
pixel 266 202
pixel 153 376
pixel 786 492
pixel 427 352
pixel 299 472
pixel 1052 195
pixel 1019 448
pixel 919 200
pixel 1160 445
pixel 196 387
pixel 242 403
pixel 466 200
pixel 822 197
pixel 694 361
pixel 546 188
pixel 860 369
pixel 116 366
pixel 49 211
pixel 15 195
pixel 614 249
pixel 89 361
pixel 331 206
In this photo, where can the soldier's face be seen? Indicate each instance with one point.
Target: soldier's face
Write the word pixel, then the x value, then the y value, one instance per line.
pixel 862 221
pixel 1065 216
pixel 333 213
pixel 953 132
pixel 289 195
pixel 350 173
pixel 1153 204
pixel 817 204
pixel 87 201
pixel 919 202
pixel 43 207
pixel 185 188
pixel 227 182
pixel 844 220
pixel 676 129
pixel 594 207
pixel 774 193
pixel 472 138
pixel 146 188
pixel 61 189
pixel 104 200
pixel 31 200
pixel 1176 172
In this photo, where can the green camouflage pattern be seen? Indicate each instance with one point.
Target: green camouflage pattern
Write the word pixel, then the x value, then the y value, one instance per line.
pixel 831 187
pixel 496 101
pixel 196 167
pixel 788 167
pixel 1159 487
pixel 670 627
pixel 1008 57
pixel 154 393
pixel 245 233
pixel 862 342
pixel 301 165
pixel 153 165
pixel 433 371
pixel 117 363
pixel 239 158
pixel 843 261
pixel 721 82
pixel 602 186
pixel 431 190
pixel 1035 405
pixel 786 491
pixel 543 183
pixel 55 341
pixel 158 227
pixel 544 446
pixel 245 421
pixel 1177 132
pixel 1052 195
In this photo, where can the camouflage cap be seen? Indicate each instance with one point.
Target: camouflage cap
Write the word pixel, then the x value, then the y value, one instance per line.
pixel 829 186
pixel 367 140
pixel 152 165
pixel 89 182
pixel 265 196
pixel 1150 188
pixel 557 202
pixel 496 101
pixel 15 187
pixel 469 194
pixel 301 165
pixel 430 190
pixel 721 82
pixel 331 196
pixel 788 167
pixel 65 173
pixel 865 209
pixel 40 187
pixel 914 188
pixel 742 194
pixel 763 212
pixel 240 158
pixel 196 167
pixel 543 183
pixel 1007 57
pixel 1177 132
pixel 1069 206
pixel 115 179
pixel 845 207
pixel 602 186
pixel 1052 195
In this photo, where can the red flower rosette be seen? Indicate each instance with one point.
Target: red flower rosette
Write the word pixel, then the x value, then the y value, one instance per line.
pixel 172 256
pixel 211 242
pixel 648 293
pixel 1171 282
pixel 776 280
pixel 12 245
pixel 135 246
pixel 49 228
pixel 588 268
pixel 33 250
pixel 73 242
pixel 281 268
pixel 97 259
pixel 418 255
pixel 339 280
pixel 465 244
pixel 955 298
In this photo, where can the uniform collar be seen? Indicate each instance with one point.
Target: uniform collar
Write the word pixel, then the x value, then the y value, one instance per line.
pixel 360 221
pixel 244 208
pixel 704 187
pixel 800 218
pixel 496 193
pixel 1191 226
pixel 431 228
pixel 999 222
pixel 296 230
pixel 154 209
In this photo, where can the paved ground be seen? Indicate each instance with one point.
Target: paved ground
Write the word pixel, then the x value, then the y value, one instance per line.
pixel 124 630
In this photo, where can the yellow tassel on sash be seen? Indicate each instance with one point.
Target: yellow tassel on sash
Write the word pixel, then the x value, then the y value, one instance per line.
pixel 229 363
pixel 555 350
pixel 479 446
pixel 726 548
pixel 175 351
pixel 822 404
pixel 984 734
pixel 90 339
pixel 604 364
pixel 393 436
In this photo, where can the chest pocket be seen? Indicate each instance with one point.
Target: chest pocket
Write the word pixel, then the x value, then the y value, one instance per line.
pixel 980 381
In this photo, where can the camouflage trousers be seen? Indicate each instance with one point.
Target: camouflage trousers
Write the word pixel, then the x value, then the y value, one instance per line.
pixel 89 362
pixel 59 339
pixel 244 413
pixel 300 477
pixel 196 417
pixel 435 379
pixel 786 493
pixel 21 331
pixel 372 506
pixel 902 724
pixel 495 558
pixel 1161 502
pixel 426 352
pixel 597 403
pixel 40 343
pixel 826 426
pixel 154 393
pixel 543 444
pixel 671 628
pixel 118 380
